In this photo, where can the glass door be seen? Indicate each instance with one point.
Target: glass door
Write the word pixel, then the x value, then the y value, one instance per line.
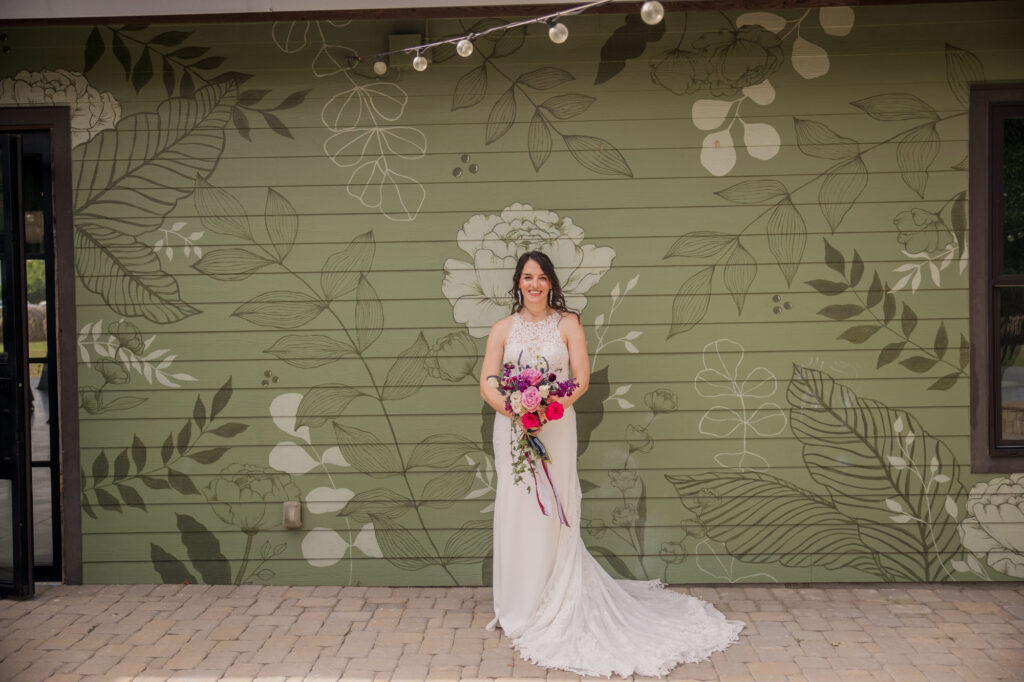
pixel 16 557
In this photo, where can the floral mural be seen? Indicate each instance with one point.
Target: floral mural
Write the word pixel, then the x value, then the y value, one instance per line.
pixel 286 265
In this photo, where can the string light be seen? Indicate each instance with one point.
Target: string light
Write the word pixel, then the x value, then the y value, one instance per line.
pixel 651 12
pixel 557 31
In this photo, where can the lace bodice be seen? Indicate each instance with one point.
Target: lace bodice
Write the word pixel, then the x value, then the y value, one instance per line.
pixel 537 343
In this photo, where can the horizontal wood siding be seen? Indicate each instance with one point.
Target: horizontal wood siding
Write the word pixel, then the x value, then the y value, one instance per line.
pixel 751 422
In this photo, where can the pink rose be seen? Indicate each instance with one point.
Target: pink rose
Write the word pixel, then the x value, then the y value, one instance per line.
pixel 531 398
pixel 555 411
pixel 531 375
pixel 530 421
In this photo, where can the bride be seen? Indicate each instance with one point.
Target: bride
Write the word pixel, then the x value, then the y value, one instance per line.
pixel 551 597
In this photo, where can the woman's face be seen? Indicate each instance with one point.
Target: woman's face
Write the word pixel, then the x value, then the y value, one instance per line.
pixel 534 284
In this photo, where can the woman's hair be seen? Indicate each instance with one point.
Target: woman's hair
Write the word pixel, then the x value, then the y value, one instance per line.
pixel 556 299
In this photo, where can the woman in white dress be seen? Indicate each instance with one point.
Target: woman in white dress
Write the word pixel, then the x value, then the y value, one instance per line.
pixel 555 602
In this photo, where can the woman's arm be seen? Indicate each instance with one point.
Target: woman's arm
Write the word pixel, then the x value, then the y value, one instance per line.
pixel 492 364
pixel 576 341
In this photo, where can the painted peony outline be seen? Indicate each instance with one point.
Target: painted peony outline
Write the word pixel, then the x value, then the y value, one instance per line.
pixel 92 111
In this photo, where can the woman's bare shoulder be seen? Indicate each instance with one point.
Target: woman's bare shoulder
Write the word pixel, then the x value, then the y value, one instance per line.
pixel 502 327
pixel 569 320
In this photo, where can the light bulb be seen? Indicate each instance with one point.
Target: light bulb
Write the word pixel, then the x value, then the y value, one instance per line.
pixel 557 32
pixel 380 67
pixel 652 12
pixel 464 47
pixel 419 63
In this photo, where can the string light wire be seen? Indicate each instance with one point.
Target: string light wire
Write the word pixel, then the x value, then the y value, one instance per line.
pixel 550 20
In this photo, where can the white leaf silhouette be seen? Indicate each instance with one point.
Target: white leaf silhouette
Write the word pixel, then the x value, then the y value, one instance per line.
pixel 324 500
pixel 836 21
pixel 771 22
pixel 718 155
pixel 709 114
pixel 291 458
pixel 323 547
pixel 809 60
pixel 763 93
pixel 762 140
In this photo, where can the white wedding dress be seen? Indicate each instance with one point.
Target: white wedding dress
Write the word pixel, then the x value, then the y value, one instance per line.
pixel 551 597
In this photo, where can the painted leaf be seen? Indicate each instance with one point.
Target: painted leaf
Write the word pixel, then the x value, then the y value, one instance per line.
pixel 915 152
pixel 400 547
pixel 121 465
pixel 365 452
pixel 324 402
pixel 875 291
pixel 231 264
pixel 945 383
pixel 131 496
pixel 690 303
pixel 896 106
pixel 281 309
pixel 787 238
pixel 738 274
pixel 409 371
pixel 343 269
pixel 700 245
pixel 834 260
pixel 219 211
pixel 100 467
pixel 507 42
pixel 590 411
pixel 199 412
pixel 919 364
pixel 570 105
pixel 124 57
pixel 613 559
pixel 106 500
pixel 842 311
pixel 441 451
pixel 94 49
pixel 809 60
pixel 142 71
pixel 442 491
pixel 220 399
pixel 309 351
pixel 376 502
pixel 172 571
pixel 761 140
pixel 817 139
pixel 369 315
pixel 965 352
pixel 131 177
pixel 597 155
pixel 626 42
pixel 204 551
pixel 849 449
pixel 842 187
pixel 545 78
pixel 888 307
pixel 754 192
pixel 282 223
pixel 962 68
pixel 538 140
pixel 181 482
pixel 709 114
pixel 908 320
pixel 828 287
pixel 765 519
pixel 208 455
pixel 127 275
pixel 856 269
pixel 860 333
pixel 229 430
pixel 889 354
pixel 502 116
pixel 471 88
pixel 471 543
pixel 138 454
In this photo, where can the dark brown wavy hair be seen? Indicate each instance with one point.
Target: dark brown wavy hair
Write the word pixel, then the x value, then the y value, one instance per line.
pixel 556 299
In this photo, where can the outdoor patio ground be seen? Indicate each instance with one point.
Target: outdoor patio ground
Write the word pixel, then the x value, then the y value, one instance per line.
pixel 251 632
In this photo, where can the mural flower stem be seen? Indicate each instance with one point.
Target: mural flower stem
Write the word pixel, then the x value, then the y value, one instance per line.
pixel 379 396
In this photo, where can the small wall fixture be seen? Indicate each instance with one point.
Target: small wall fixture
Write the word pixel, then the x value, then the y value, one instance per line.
pixel 291 515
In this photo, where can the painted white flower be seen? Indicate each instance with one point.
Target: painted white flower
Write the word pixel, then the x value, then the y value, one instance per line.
pixel 91 110
pixel 478 290
pixel 994 527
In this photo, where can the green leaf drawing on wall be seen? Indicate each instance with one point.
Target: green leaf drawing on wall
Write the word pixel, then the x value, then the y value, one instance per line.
pixel 281 309
pixel 754 192
pixel 875 460
pixel 309 351
pixel 538 140
pixel 915 151
pixel 131 177
pixel 400 546
pixel 765 519
pixel 469 543
pixel 690 303
pixel 127 275
pixel 172 571
pixel 231 264
pixel 738 274
pixel 408 373
pixel 454 484
pixel 502 116
pixel 366 453
pixel 545 78
pixel 841 187
pixel 324 402
pixel 962 68
pixel 597 155
pixel 896 106
pixel 376 503
pixel 818 140
pixel 700 245
pixel 219 211
pixel 471 88
pixel 204 551
pixel 369 315
pixel 342 271
pixel 441 451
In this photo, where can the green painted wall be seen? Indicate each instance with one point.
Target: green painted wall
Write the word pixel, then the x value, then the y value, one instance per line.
pixel 283 284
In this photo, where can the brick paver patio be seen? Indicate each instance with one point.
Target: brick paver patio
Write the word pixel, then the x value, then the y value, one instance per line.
pixel 223 632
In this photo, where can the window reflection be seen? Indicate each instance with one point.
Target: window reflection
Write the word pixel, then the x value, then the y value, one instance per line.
pixel 1011 361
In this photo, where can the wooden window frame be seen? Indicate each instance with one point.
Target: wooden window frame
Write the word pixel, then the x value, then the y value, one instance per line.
pixel 987 456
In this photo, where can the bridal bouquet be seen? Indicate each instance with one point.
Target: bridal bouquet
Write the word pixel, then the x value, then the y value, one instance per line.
pixel 530 394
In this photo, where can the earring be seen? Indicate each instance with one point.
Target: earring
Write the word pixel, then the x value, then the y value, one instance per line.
pixel 551 296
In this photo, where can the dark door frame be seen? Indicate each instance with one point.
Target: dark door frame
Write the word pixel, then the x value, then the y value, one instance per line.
pixel 57 121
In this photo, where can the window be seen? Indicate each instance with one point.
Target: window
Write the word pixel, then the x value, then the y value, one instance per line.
pixel 997 277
